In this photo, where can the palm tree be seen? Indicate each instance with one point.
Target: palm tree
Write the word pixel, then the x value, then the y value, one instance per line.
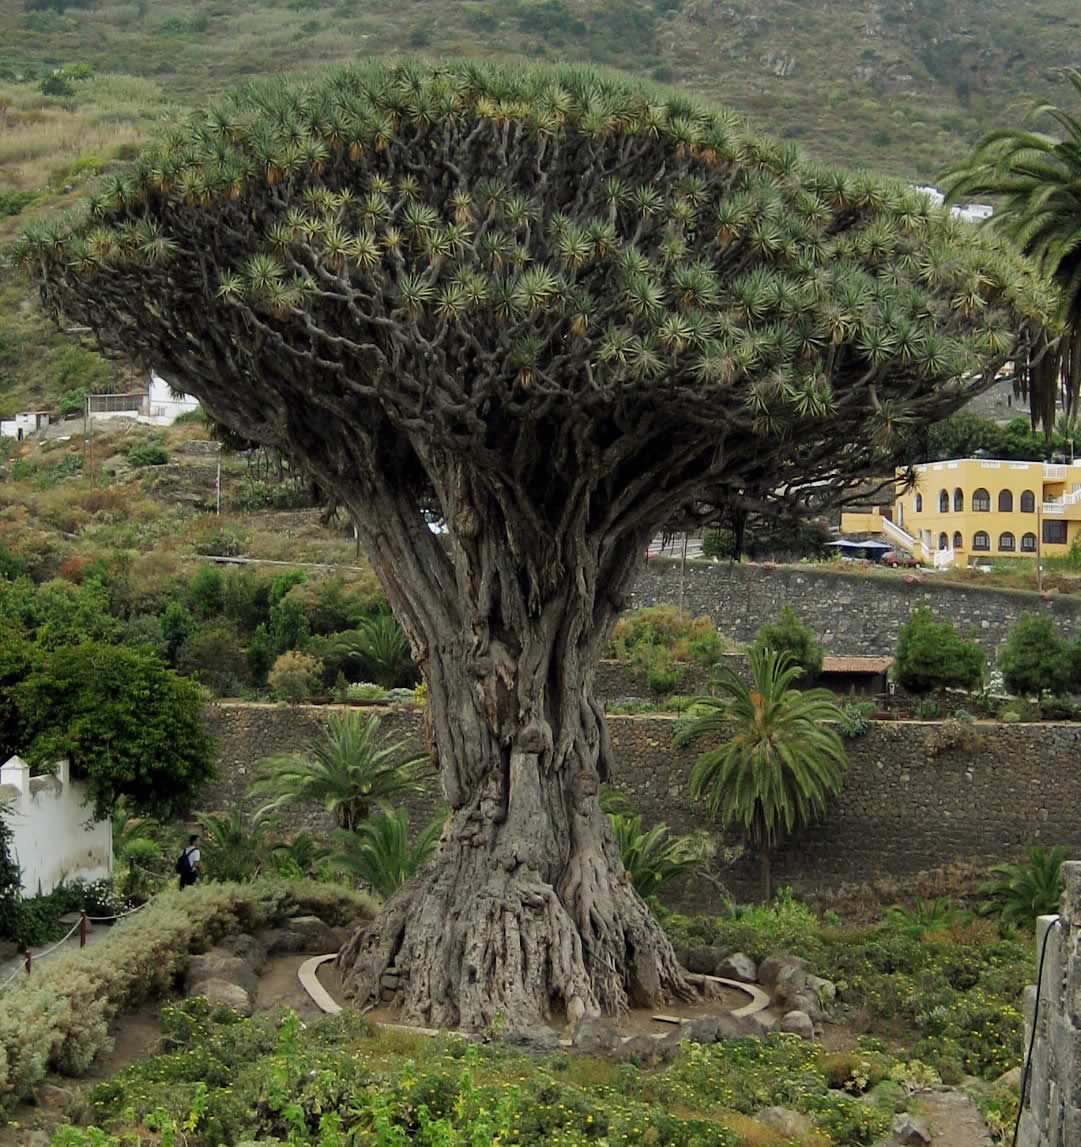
pixel 348 768
pixel 651 859
pixel 232 847
pixel 383 651
pixel 1037 177
pixel 379 854
pixel 1023 891
pixel 782 757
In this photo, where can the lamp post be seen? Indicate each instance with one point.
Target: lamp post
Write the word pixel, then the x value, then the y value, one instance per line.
pixel 1039 543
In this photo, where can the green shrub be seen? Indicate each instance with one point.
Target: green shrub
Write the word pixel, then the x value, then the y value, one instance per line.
pixel 58 1021
pixel 933 655
pixel 128 725
pixel 719 544
pixel 207 592
pixel 1034 658
pixel 789 635
pixel 148 454
pixel 12 202
pixel 295 676
pixel 214 656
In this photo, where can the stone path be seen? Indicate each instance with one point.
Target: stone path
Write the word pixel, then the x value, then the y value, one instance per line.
pixel 954 1119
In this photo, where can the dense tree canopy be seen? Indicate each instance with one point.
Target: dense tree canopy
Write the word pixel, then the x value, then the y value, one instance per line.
pixel 555 310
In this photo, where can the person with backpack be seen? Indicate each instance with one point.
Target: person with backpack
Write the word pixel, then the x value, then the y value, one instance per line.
pixel 187 863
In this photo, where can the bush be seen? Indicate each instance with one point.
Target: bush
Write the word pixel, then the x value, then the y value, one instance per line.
pixel 128 725
pixel 933 655
pixel 1035 659
pixel 659 641
pixel 295 676
pixel 207 592
pixel 719 544
pixel 214 657
pixel 59 1020
pixel 148 454
pixel 789 635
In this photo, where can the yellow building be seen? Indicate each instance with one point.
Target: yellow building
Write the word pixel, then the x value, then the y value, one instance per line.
pixel 971 508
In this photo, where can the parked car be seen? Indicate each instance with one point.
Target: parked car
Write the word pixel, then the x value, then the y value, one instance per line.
pixel 898 559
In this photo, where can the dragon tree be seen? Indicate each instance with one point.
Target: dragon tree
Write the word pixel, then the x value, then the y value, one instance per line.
pixel 558 310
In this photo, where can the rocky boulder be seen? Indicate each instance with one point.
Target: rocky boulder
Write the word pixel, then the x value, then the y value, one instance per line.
pixel 304 934
pixel 537 1040
pixel 909 1131
pixel 798 1023
pixel 738 967
pixel 248 948
pixel 594 1035
pixel 791 1124
pixel 784 977
pixel 703 960
pixel 218 964
pixel 221 993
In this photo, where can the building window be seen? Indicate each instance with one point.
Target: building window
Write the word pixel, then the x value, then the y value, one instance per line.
pixel 944 502
pixel 958 501
pixel 943 542
pixel 981 541
pixel 919 503
pixel 1028 502
pixel 1007 542
pixel 958 541
pixel 1005 502
pixel 981 501
pixel 1054 533
pixel 1028 543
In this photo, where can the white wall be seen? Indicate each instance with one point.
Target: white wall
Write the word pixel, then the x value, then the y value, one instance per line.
pixel 55 835
pixel 23 425
pixel 165 408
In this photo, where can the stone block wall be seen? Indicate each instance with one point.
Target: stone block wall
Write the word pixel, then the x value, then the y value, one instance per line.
pixel 1052 1112
pixel 919 796
pixel 851 613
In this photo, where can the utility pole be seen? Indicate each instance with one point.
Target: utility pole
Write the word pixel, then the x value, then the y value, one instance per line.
pixel 217 484
pixel 682 572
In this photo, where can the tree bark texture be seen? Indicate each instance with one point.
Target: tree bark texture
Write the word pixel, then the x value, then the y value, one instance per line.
pixel 526 913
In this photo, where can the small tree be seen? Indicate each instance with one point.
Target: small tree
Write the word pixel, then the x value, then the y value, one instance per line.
pixel 130 726
pixel 653 858
pixel 348 768
pixel 1023 890
pixel 933 655
pixel 789 635
pixel 1035 659
pixel 782 757
pixel 10 881
pixel 295 676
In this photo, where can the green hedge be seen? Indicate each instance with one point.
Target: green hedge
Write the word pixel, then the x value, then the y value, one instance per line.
pixel 59 1019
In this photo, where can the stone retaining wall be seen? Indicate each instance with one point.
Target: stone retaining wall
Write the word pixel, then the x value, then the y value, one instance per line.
pixel 919 796
pixel 850 613
pixel 1052 1112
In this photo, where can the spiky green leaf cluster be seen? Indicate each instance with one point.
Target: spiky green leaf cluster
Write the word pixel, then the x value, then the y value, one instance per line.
pixel 551 231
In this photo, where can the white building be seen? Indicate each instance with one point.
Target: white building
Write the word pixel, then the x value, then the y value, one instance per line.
pixel 157 405
pixel 969 212
pixel 55 836
pixel 165 406
pixel 25 424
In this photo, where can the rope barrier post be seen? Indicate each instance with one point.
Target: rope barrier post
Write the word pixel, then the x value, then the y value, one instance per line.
pixel 82 929
pixel 27 958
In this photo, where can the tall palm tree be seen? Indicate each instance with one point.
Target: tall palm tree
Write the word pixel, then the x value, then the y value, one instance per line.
pixel 379 852
pixel 348 768
pixel 781 759
pixel 1037 177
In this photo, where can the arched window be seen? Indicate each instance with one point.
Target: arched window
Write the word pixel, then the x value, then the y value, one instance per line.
pixel 1005 502
pixel 980 541
pixel 958 541
pixel 919 503
pixel 1007 542
pixel 958 501
pixel 981 501
pixel 1028 543
pixel 1028 502
pixel 944 502
pixel 943 542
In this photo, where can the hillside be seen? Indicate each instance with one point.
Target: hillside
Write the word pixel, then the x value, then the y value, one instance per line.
pixel 900 85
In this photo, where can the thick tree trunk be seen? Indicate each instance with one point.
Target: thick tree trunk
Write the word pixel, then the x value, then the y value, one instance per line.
pixel 526 914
